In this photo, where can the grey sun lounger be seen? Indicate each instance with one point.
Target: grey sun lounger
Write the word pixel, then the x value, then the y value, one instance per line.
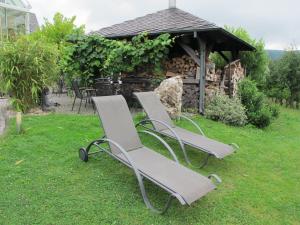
pixel 125 146
pixel 162 124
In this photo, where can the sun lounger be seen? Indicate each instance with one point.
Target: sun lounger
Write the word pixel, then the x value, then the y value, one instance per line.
pixel 125 146
pixel 162 124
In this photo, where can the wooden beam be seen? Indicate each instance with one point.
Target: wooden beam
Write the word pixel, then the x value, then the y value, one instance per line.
pixel 202 50
pixel 190 52
pixel 235 55
pixel 224 56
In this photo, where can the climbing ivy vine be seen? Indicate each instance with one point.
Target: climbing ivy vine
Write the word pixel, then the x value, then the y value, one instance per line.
pixel 95 56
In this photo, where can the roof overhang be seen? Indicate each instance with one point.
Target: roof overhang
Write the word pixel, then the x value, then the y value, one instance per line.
pixel 219 38
pixel 8 6
pixel 223 40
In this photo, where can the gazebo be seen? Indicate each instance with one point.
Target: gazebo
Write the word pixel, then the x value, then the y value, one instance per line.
pixel 194 34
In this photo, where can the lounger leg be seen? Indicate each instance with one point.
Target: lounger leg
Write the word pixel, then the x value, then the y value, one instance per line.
pixel 148 203
pixel 80 106
pixel 205 161
pixel 73 103
pixel 93 105
pixel 202 164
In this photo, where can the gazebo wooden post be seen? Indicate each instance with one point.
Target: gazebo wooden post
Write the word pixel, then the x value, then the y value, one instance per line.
pixel 202 51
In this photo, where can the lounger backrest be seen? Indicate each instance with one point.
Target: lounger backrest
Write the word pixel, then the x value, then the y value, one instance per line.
pixel 154 109
pixel 117 122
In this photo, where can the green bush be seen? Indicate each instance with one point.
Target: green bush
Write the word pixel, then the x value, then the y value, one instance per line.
pixel 26 67
pixel 227 110
pixel 274 110
pixel 258 110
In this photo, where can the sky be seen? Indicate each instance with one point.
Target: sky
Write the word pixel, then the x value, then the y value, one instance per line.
pixel 275 21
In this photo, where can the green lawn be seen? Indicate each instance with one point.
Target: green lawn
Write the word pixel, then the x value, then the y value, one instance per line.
pixel 42 180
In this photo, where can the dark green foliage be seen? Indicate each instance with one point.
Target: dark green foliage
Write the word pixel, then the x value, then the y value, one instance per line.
pixel 258 110
pixel 256 62
pixel 284 80
pixel 227 110
pixel 96 56
pixel 26 67
pixel 274 110
pixel 58 31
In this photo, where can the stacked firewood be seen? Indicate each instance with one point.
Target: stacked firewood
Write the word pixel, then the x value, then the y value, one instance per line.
pixel 213 84
pixel 211 74
pixel 233 74
pixel 184 66
pixel 224 81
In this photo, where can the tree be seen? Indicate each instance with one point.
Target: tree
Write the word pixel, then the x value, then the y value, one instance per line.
pixel 256 62
pixel 284 79
pixel 59 30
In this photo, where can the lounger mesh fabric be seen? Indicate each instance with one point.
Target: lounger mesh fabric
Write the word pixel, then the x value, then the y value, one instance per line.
pixel 118 126
pixel 179 179
pixel 155 110
pixel 117 122
pixel 219 149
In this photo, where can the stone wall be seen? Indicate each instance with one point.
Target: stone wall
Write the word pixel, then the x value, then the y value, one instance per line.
pixel 191 93
pixel 134 84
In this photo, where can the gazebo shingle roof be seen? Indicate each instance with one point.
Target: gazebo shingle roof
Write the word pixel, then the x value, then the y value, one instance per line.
pixel 176 21
pixel 171 20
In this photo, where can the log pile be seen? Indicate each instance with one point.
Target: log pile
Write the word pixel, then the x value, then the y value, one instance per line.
pixel 224 81
pixel 233 73
pixel 184 66
pixel 213 85
pixel 211 75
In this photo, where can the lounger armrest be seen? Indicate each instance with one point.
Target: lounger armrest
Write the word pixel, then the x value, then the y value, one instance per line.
pixel 194 123
pixel 217 179
pixel 124 152
pixel 164 143
pixel 168 127
pixel 235 146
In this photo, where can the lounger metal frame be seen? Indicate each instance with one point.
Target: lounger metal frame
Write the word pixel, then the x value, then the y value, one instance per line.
pixel 139 174
pixel 182 143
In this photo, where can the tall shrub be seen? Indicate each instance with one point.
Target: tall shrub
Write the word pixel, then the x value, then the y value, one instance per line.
pixel 258 110
pixel 57 32
pixel 26 67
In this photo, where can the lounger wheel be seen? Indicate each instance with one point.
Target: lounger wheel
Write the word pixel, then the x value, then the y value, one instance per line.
pixel 83 155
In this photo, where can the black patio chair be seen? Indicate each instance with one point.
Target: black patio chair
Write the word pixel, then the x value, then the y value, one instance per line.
pixel 83 94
